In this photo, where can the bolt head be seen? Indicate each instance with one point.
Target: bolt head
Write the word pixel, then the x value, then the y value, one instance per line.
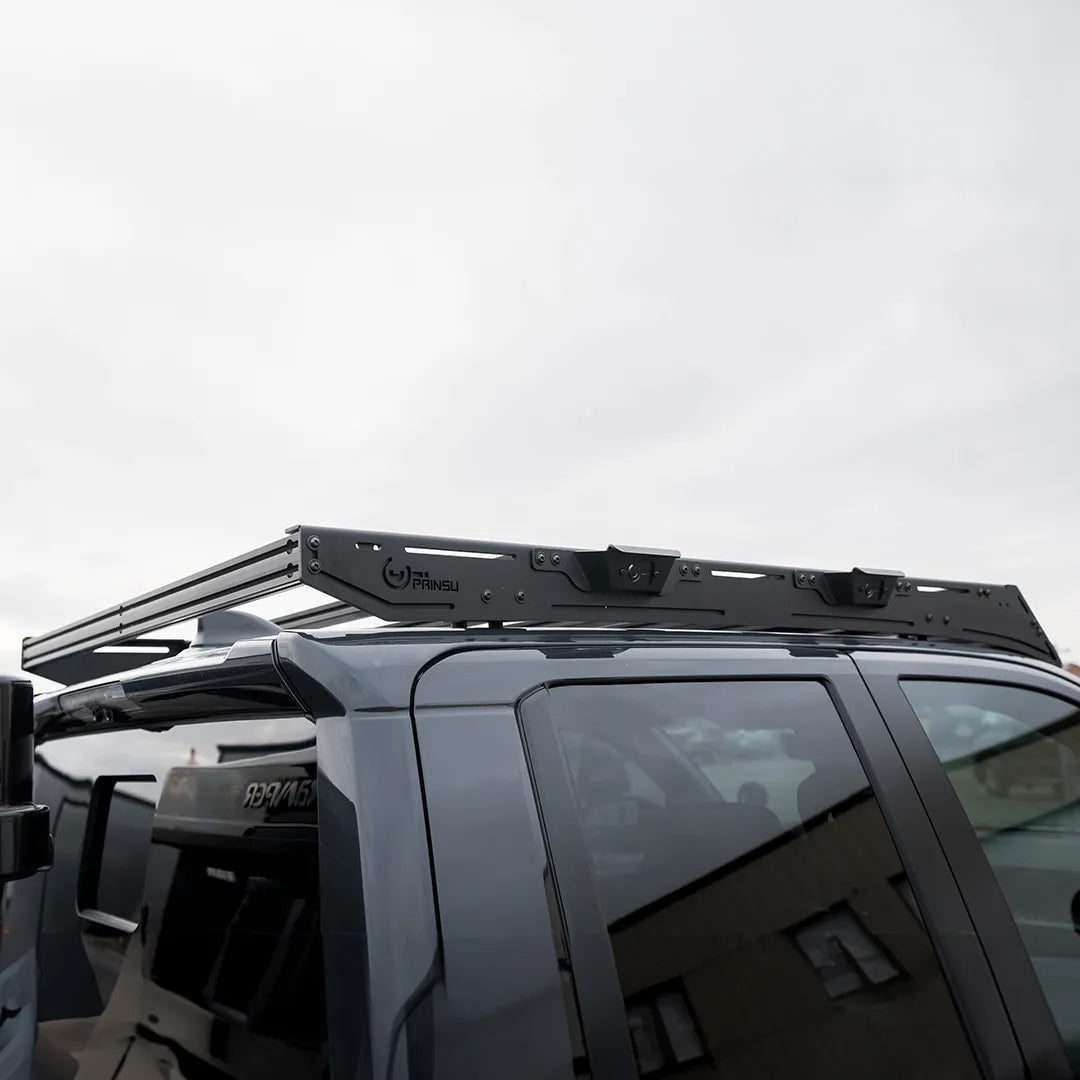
pixel 519 596
pixel 684 569
pixel 697 570
pixel 541 558
pixel 556 558
pixel 314 566
pixel 313 543
pixel 486 596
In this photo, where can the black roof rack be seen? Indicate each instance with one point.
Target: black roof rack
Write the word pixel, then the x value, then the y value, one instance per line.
pixel 415 580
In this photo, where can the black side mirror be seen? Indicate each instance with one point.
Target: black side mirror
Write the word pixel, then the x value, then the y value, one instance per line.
pixel 25 842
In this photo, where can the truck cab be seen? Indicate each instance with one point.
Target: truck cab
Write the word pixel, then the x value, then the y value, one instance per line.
pixel 719 827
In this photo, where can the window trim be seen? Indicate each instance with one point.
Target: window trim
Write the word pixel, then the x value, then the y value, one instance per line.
pixel 979 1005
pixel 1011 966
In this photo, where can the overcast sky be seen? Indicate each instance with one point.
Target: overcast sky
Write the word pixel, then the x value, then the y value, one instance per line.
pixel 791 283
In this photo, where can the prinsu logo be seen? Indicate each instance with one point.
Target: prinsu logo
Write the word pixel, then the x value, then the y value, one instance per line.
pixel 403 576
pixel 397 577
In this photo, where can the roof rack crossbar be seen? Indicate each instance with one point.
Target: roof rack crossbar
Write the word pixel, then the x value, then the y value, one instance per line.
pixel 317 617
pixel 418 580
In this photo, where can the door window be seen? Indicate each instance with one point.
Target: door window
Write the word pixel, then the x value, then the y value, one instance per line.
pixel 754 899
pixel 1013 758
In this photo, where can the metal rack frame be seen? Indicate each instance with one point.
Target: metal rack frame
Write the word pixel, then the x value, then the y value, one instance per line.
pixel 419 580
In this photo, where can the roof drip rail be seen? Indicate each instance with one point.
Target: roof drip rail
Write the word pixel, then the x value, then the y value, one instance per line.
pixel 432 580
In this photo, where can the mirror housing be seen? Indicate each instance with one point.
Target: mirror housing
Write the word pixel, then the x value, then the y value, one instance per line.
pixel 25 841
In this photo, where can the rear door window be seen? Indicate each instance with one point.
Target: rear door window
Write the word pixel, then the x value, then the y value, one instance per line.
pixel 758 911
pixel 1012 756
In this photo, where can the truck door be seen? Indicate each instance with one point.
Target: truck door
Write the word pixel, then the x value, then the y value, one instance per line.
pixel 740 878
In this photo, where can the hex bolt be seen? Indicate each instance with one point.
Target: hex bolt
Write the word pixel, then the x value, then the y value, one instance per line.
pixel 519 596
pixel 313 543
pixel 487 596
pixel 314 566
pixel 541 558
pixel 556 558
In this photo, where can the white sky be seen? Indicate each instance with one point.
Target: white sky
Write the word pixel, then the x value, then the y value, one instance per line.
pixel 784 283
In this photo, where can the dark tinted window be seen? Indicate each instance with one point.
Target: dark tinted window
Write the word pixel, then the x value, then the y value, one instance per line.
pixel 216 859
pixel 757 908
pixel 1013 757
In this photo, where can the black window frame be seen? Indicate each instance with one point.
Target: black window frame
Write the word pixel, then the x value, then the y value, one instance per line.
pixel 979 1004
pixel 1025 1002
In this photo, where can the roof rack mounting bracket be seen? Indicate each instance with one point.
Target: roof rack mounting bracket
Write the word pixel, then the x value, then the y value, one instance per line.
pixel 616 569
pixel 854 588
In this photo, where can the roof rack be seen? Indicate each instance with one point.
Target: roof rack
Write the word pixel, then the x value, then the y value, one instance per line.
pixel 416 580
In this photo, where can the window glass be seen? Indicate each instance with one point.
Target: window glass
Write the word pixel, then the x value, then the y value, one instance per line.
pixel 1013 757
pixel 751 888
pixel 216 859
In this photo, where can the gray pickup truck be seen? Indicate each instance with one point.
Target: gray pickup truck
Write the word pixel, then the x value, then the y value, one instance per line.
pixel 606 814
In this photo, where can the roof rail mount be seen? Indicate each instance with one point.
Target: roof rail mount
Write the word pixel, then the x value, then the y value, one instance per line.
pixel 422 580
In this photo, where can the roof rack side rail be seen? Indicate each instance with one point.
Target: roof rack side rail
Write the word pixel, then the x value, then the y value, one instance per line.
pixel 265 570
pixel 420 579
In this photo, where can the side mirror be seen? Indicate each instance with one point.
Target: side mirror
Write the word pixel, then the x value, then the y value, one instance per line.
pixel 25 842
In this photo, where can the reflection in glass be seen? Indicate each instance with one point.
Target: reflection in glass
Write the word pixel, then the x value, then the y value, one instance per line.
pixel 223 977
pixel 663 1031
pixel 749 884
pixel 843 954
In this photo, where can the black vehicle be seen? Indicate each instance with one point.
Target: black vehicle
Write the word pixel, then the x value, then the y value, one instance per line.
pixel 607 814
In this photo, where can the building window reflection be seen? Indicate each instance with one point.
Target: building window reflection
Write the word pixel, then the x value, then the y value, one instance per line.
pixel 664 1032
pixel 845 956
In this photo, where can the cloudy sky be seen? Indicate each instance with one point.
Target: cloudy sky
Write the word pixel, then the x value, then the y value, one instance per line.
pixel 789 283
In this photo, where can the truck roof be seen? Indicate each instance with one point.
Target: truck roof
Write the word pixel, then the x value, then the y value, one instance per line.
pixel 244 680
